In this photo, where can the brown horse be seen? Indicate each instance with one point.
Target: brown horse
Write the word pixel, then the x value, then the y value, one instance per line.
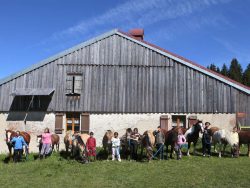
pixel 106 142
pixel 79 150
pixel 68 138
pixel 10 134
pixel 171 138
pixel 148 142
pixel 244 138
pixel 55 141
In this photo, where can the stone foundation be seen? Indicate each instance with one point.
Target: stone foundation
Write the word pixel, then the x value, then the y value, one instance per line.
pixel 99 123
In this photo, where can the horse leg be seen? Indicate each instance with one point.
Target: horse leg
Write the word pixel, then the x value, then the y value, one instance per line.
pixel 248 150
pixel 171 151
pixel 224 148
pixel 189 144
pixel 57 147
pixel 166 152
pixel 194 152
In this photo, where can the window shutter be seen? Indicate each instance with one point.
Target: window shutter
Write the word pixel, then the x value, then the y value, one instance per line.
pixel 78 84
pixel 69 82
pixel 84 123
pixel 164 122
pixel 59 123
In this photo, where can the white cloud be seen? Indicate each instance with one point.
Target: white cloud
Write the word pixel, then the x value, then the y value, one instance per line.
pixel 138 13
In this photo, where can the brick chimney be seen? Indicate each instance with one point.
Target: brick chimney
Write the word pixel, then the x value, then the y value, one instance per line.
pixel 137 33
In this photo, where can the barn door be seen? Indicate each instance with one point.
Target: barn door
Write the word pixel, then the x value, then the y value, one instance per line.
pixel 164 122
pixel 192 120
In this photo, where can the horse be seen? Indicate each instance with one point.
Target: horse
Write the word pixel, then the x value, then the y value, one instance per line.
pixel 244 138
pixel 106 142
pixel 10 134
pixel 148 142
pixel 211 132
pixel 224 137
pixel 171 138
pixel 55 141
pixel 79 150
pixel 192 135
pixel 125 143
pixel 68 141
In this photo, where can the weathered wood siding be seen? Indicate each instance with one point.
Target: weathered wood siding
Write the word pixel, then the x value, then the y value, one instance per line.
pixel 119 75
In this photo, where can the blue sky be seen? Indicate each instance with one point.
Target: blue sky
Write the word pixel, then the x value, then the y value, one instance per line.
pixel 204 31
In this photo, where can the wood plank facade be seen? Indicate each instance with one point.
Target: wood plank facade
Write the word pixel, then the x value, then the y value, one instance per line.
pixel 116 74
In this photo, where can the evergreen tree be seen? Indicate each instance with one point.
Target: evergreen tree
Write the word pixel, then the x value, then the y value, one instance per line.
pixel 224 70
pixel 246 76
pixel 235 71
pixel 212 67
pixel 218 69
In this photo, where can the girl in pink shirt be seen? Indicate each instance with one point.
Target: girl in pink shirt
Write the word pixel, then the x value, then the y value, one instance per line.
pixel 46 141
pixel 181 140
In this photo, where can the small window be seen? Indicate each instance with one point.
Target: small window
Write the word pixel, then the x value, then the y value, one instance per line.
pixel 74 85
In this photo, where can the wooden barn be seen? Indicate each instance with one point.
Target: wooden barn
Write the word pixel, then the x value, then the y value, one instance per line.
pixel 115 81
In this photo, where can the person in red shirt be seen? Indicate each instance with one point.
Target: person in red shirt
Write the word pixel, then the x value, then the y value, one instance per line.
pixel 91 146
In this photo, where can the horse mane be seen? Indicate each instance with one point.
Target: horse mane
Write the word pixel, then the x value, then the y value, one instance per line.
pixel 232 138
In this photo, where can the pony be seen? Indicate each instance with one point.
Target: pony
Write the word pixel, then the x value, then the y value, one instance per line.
pixel 55 141
pixel 148 142
pixel 10 134
pixel 79 150
pixel 212 130
pixel 192 135
pixel 125 143
pixel 171 138
pixel 224 137
pixel 244 138
pixel 106 142
pixel 68 141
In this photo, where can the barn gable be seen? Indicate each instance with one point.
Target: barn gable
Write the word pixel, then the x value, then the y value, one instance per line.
pixel 116 73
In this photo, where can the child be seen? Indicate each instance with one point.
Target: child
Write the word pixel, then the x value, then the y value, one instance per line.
pixel 181 140
pixel 91 145
pixel 116 147
pixel 206 140
pixel 160 140
pixel 18 146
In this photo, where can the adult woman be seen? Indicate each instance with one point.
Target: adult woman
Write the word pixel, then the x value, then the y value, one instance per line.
pixel 46 143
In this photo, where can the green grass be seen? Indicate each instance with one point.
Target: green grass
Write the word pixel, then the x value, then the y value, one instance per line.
pixel 193 171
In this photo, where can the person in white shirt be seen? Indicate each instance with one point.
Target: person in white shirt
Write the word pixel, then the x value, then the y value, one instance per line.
pixel 116 147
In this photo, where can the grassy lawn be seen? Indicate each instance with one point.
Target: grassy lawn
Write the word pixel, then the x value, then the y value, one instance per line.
pixel 193 171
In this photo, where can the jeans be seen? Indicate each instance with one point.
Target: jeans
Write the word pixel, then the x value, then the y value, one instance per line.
pixel 116 152
pixel 206 146
pixel 18 155
pixel 46 149
pixel 160 147
pixel 133 149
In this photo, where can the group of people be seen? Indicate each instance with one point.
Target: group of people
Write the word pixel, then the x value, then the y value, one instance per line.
pixel 133 139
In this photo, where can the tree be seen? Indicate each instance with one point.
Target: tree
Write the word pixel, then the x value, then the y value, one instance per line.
pixel 235 71
pixel 224 70
pixel 212 67
pixel 246 76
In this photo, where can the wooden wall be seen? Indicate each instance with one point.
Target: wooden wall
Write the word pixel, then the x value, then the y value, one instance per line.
pixel 119 75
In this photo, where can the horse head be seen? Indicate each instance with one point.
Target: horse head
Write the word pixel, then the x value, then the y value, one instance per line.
pixel 107 137
pixel 9 135
pixel 198 127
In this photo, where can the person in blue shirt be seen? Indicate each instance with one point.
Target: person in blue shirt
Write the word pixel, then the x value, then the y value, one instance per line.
pixel 18 142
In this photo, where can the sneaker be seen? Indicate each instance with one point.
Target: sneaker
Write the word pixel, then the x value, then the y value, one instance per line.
pixel 208 155
pixel 119 160
pixel 204 155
